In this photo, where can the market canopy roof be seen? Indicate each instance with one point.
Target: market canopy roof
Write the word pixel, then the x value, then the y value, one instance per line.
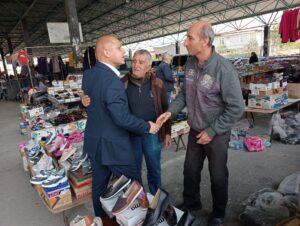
pixel 131 20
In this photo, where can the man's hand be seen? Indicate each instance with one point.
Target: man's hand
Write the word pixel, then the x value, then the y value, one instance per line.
pixel 168 141
pixel 163 118
pixel 85 100
pixel 153 127
pixel 203 138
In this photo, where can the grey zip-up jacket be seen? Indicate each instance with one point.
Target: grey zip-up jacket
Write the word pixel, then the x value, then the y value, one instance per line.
pixel 212 94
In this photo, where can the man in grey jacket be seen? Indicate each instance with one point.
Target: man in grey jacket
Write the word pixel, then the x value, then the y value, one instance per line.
pixel 213 97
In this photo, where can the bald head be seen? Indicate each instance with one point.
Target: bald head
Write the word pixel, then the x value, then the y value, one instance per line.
pixel 109 50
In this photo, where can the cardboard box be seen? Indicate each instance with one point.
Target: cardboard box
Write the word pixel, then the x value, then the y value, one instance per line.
pixel 83 192
pixel 294 90
pixel 34 112
pixel 265 93
pixel 79 180
pixel 254 102
pixel 63 199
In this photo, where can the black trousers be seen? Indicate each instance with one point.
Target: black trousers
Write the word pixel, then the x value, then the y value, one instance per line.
pixel 101 174
pixel 216 153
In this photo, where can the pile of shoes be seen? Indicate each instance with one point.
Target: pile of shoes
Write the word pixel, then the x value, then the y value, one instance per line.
pixel 51 179
pixel 126 200
pixel 68 117
pixel 39 124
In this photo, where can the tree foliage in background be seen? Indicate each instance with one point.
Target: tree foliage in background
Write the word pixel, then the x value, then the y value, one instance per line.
pixel 278 48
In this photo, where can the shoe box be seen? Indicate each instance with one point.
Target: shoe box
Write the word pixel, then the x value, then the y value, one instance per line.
pixel 63 199
pixel 81 184
pixel 132 216
pixel 135 215
pixel 109 204
pixel 35 112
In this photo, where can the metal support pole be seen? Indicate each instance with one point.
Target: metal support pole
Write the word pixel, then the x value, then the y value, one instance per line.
pixel 177 48
pixel 70 8
pixel 27 43
pixel 266 46
pixel 11 50
pixel 3 61
pixel 130 53
pixel 29 71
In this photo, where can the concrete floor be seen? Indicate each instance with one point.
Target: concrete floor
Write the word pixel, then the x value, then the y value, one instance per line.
pixel 249 172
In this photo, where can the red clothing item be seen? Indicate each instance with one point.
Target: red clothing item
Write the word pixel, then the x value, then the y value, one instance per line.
pixel 284 27
pixel 294 31
pixel 23 58
pixel 298 21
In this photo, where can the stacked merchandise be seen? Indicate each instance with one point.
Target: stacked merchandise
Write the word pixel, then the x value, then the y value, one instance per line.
pixel 52 162
pixel 60 170
pixel 65 91
pixel 268 93
pixel 50 121
pixel 264 65
pixel 126 200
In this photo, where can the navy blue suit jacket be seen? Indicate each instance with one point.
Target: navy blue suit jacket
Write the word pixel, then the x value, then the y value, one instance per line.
pixel 109 121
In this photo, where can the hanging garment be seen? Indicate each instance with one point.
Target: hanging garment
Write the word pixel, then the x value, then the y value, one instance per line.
pixel 288 26
pixel 23 57
pixel 89 59
pixel 42 66
pixel 298 22
pixel 55 65
pixel 294 31
pixel 71 60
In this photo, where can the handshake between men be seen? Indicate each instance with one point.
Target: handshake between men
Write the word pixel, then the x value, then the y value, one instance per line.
pixel 154 127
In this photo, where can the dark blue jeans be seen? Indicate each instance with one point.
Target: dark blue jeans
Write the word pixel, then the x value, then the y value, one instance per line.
pixel 150 146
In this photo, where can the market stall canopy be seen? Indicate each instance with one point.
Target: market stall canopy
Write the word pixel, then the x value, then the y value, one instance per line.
pixel 131 20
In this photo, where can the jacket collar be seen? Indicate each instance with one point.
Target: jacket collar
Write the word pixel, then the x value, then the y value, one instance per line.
pixel 107 67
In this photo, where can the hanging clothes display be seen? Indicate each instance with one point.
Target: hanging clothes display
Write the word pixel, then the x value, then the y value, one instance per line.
pixel 23 58
pixel 55 65
pixel 89 59
pixel 71 60
pixel 42 66
pixel 288 27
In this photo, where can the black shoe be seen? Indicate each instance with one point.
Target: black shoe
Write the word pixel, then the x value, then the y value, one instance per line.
pixel 113 189
pixel 170 215
pixel 186 220
pixel 193 207
pixel 157 207
pixel 216 221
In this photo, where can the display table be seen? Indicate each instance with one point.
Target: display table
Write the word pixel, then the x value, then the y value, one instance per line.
pixel 270 111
